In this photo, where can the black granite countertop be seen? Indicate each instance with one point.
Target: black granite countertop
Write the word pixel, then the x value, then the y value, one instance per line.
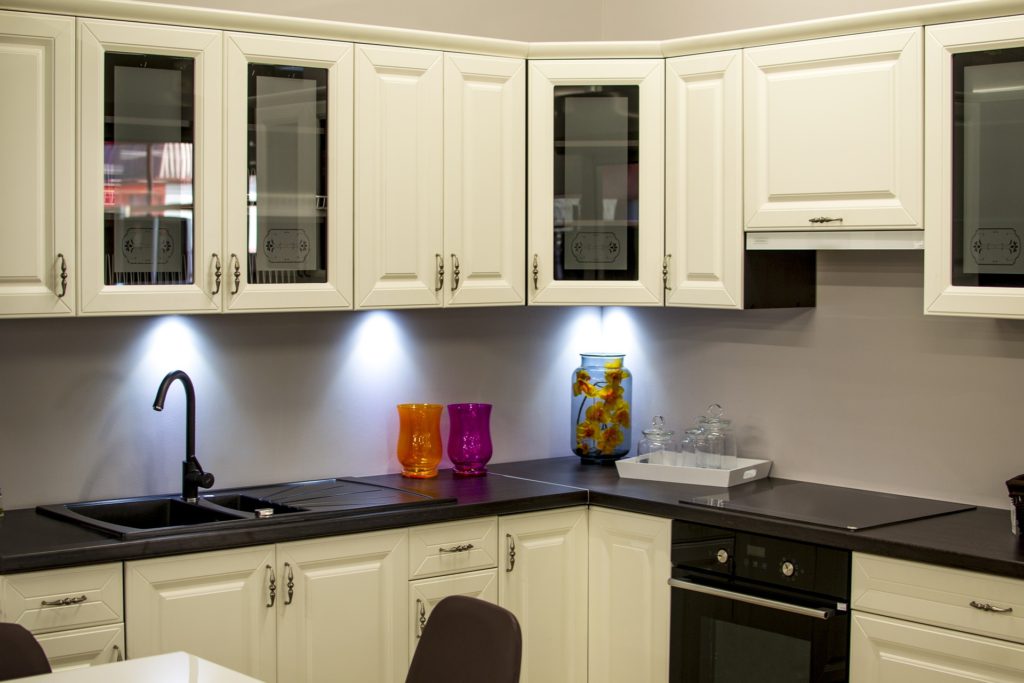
pixel 977 540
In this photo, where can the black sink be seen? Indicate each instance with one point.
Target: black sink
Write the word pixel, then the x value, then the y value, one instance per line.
pixel 255 506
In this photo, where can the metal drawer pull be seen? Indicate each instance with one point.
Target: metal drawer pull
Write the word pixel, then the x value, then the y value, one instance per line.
pixel 753 600
pixel 456 271
pixel 461 548
pixel 216 274
pixel 536 271
pixel 116 651
pixel 825 219
pixel 290 584
pixel 63 276
pixel 985 607
pixel 238 273
pixel 422 619
pixel 440 272
pixel 272 588
pixel 511 553
pixel 64 602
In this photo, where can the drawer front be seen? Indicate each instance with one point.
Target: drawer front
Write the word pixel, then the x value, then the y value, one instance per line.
pixel 939 596
pixel 438 549
pixel 61 599
pixel 83 647
pixel 426 593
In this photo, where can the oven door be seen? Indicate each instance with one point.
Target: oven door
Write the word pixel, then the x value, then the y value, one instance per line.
pixel 725 633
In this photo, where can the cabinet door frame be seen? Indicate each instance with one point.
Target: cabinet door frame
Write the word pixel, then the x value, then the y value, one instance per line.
pixel 424 594
pixel 890 62
pixel 941 297
pixel 484 180
pixel 95 39
pixel 242 49
pixel 44 283
pixel 704 239
pixel 399 177
pixel 544 75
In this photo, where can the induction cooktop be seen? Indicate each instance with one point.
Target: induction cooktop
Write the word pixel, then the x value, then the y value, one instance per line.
pixel 831 506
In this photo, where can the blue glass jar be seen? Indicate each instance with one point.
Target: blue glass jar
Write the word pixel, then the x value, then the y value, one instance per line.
pixel 602 398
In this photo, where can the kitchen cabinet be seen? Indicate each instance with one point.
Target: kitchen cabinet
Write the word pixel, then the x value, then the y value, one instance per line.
pixel 596 189
pixel 974 143
pixel 833 133
pixel 37 170
pixel 439 186
pixel 150 168
pixel 544 583
pixel 629 596
pixel 914 622
pixel 76 614
pixel 288 185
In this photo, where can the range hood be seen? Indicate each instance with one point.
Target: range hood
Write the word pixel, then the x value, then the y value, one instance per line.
pixel 834 239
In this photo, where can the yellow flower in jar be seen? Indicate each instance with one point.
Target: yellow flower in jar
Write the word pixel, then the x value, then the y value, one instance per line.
pixel 621 415
pixel 611 394
pixel 596 413
pixel 586 430
pixel 615 376
pixel 610 438
pixel 582 384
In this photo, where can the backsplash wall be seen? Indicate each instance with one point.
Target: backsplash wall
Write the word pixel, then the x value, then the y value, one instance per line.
pixel 863 390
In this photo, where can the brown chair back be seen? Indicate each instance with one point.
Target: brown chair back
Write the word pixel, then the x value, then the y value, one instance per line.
pixel 20 653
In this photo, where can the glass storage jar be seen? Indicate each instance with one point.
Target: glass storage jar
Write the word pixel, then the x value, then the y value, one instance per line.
pixel 657 446
pixel 602 393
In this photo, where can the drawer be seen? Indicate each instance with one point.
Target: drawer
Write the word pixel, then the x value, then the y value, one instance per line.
pixel 424 595
pixel 437 549
pixel 84 596
pixel 83 647
pixel 939 596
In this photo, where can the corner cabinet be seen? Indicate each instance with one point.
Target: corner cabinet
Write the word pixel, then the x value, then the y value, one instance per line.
pixel 833 133
pixel 150 168
pixel 37 168
pixel 974 152
pixel 596 189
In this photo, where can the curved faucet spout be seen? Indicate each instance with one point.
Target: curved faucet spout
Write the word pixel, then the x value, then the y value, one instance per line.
pixel 192 474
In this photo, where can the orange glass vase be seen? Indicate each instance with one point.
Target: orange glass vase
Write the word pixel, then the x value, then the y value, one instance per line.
pixel 419 439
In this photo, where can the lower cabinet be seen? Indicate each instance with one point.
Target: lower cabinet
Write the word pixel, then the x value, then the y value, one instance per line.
pixel 629 597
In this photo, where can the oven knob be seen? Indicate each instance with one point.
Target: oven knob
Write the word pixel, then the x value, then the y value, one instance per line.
pixel 788 568
pixel 722 556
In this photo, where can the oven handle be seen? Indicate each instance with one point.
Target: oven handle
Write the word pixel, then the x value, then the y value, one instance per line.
pixel 753 599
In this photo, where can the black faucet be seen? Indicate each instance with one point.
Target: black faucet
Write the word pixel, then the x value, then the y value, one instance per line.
pixel 192 474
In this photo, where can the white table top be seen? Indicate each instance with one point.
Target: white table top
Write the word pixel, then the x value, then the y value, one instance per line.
pixel 176 667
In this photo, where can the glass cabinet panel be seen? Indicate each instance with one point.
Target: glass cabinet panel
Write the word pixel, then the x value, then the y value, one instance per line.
pixel 596 188
pixel 287 167
pixel 149 126
pixel 988 163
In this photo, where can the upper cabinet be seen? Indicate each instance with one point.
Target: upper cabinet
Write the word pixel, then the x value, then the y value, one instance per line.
pixel 439 186
pixel 974 101
pixel 37 169
pixel 833 133
pixel 288 241
pixel 150 172
pixel 596 199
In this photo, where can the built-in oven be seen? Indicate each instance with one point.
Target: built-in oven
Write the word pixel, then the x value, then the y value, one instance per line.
pixel 747 607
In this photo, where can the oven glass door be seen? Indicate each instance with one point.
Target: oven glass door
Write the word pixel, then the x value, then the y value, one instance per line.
pixel 724 640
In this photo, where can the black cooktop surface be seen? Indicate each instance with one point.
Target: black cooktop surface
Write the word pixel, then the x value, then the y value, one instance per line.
pixel 832 506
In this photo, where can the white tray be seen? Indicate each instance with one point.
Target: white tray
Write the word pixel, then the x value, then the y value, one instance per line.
pixel 746 470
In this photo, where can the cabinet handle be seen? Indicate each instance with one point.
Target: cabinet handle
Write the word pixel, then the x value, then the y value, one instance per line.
pixel 118 657
pixel 536 271
pixel 825 219
pixel 64 602
pixel 440 272
pixel 461 548
pixel 63 276
pixel 421 620
pixel 238 273
pixel 290 584
pixel 985 607
pixel 664 272
pixel 216 273
pixel 511 564
pixel 272 587
pixel 455 272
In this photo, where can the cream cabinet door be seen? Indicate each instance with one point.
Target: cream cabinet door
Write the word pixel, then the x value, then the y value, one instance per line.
pixel 164 210
pixel 399 185
pixel 37 165
pixel 629 596
pixel 543 581
pixel 582 241
pixel 424 595
pixel 342 606
pixel 217 605
pixel 834 132
pixel 79 648
pixel 484 180
pixel 884 650
pixel 291 250
pixel 704 180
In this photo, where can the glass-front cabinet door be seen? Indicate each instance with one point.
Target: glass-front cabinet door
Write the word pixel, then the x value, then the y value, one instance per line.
pixel 150 168
pixel 974 99
pixel 289 174
pixel 596 151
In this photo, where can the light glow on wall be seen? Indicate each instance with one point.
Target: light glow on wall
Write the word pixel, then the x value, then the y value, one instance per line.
pixel 172 344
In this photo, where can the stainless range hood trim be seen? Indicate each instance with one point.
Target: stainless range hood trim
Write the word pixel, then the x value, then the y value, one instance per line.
pixel 835 240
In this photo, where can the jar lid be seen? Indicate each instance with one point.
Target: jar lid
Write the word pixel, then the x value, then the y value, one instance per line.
pixel 657 429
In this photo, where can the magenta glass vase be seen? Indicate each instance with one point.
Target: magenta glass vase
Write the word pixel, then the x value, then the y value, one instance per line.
pixel 469 438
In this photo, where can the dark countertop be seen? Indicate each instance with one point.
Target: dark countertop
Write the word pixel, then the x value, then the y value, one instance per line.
pixel 977 540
